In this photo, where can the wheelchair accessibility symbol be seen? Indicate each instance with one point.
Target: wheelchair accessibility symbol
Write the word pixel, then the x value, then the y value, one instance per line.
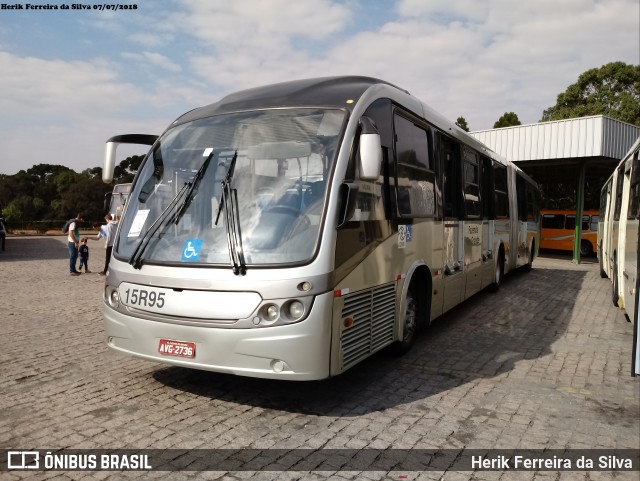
pixel 191 250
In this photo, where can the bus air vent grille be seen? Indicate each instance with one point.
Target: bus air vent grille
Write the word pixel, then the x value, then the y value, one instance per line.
pixel 373 313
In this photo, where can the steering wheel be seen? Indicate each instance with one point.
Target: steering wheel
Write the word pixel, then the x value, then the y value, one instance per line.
pixel 284 209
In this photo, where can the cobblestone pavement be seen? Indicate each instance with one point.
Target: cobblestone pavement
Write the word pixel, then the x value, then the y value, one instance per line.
pixel 544 363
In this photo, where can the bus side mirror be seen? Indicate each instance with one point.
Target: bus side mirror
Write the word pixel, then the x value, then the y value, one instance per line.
pixel 112 146
pixel 109 162
pixel 370 150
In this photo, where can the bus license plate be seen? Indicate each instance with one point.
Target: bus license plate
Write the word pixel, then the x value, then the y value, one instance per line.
pixel 169 347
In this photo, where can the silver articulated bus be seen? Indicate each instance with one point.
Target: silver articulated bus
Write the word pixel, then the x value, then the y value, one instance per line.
pixel 292 230
pixel 618 239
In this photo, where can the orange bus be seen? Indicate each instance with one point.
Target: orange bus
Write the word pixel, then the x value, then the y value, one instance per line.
pixel 558 230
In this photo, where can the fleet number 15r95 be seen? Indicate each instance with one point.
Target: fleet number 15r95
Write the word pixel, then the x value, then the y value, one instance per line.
pixel 143 298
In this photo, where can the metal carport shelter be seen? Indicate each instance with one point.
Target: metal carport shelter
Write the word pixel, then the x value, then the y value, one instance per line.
pixel 565 151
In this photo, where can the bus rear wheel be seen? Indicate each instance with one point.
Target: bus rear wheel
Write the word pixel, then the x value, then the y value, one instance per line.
pixel 586 249
pixel 614 284
pixel 529 265
pixel 603 274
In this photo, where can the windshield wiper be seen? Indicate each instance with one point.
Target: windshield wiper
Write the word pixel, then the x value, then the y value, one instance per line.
pixel 136 257
pixel 229 203
pixel 168 215
pixel 158 170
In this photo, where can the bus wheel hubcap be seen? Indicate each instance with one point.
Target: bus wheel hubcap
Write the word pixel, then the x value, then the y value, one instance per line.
pixel 409 319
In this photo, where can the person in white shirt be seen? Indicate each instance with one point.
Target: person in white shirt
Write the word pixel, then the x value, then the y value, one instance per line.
pixel 73 240
pixel 108 233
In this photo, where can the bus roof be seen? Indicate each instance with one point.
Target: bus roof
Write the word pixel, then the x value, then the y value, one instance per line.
pixel 325 91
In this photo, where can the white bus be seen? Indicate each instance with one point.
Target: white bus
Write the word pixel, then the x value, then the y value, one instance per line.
pixel 292 230
pixel 618 237
pixel 116 200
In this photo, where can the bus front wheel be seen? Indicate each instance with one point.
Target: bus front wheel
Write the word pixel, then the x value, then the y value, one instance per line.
pixel 409 322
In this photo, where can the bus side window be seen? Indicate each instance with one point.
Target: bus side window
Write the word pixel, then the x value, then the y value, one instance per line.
pixel 570 223
pixel 449 157
pixel 553 221
pixel 471 171
pixel 533 205
pixel 488 186
pixel 373 200
pixel 634 192
pixel 521 195
pixel 501 191
pixel 415 175
pixel 618 204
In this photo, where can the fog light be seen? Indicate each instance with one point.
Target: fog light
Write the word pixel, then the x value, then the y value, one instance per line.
pixel 277 365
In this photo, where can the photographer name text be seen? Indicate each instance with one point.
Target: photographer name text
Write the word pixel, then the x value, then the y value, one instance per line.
pixel 69 6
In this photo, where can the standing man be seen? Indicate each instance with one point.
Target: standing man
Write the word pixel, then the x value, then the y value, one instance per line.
pixel 108 232
pixel 73 240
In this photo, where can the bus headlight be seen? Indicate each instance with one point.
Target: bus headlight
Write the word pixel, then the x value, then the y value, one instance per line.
pixel 275 312
pixel 295 310
pixel 112 297
pixel 272 312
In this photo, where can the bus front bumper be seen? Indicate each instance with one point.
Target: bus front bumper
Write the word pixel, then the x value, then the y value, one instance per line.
pixel 298 351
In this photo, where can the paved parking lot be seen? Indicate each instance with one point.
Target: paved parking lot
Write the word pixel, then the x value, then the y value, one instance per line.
pixel 543 364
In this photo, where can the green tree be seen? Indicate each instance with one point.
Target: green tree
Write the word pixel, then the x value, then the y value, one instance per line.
pixel 508 119
pixel 53 192
pixel 126 170
pixel 85 195
pixel 462 123
pixel 93 173
pixel 45 171
pixel 612 90
pixel 12 214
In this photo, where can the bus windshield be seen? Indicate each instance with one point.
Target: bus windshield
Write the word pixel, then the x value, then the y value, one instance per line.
pixel 274 165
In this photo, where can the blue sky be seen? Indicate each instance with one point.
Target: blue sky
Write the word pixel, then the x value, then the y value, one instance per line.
pixel 73 78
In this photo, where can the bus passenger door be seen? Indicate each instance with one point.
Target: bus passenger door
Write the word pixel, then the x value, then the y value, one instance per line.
pixel 473 224
pixel 630 269
pixel 488 222
pixel 521 196
pixel 453 258
pixel 624 276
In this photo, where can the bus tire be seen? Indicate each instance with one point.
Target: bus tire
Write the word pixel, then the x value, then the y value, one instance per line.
pixel 529 265
pixel 586 249
pixel 614 283
pixel 603 274
pixel 499 273
pixel 410 321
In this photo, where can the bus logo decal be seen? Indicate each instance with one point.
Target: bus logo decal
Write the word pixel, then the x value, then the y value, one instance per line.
pixel 404 235
pixel 191 250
